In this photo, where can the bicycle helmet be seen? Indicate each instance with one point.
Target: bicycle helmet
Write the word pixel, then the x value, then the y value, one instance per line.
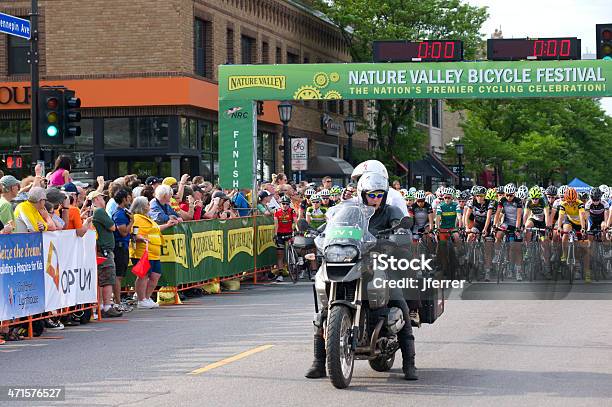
pixel 604 188
pixel 404 192
pixel 440 191
pixel 491 194
pixel 409 195
pixel 605 196
pixel 285 199
pixel 561 191
pixel 464 196
pixel 309 192
pixel 315 198
pixel 595 194
pixel 473 190
pixel 570 195
pixel 510 189
pixel 500 189
pixel 551 190
pixel 412 189
pixel 324 193
pixel 478 190
pixel 521 194
pixel 430 198
pixel 524 188
pixel 535 193
pixel 420 194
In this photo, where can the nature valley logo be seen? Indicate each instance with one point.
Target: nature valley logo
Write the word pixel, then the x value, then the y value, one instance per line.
pixel 265 238
pixel 239 240
pixel 206 244
pixel 174 250
pixel 52 268
pixel 257 81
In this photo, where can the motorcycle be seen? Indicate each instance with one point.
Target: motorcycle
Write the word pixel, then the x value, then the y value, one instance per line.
pixel 359 324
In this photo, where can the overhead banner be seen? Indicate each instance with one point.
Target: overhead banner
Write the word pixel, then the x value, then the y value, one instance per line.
pixel 436 80
pixel 237 137
pixel 71 272
pixel 22 286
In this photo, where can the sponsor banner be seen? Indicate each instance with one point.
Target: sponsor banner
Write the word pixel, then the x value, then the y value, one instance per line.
pixel 236 152
pixel 265 238
pixel 174 249
pixel 206 244
pixel 434 80
pixel 22 284
pixel 70 269
pixel 239 241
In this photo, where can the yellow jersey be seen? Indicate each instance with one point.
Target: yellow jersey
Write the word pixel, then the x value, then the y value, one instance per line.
pixel 572 211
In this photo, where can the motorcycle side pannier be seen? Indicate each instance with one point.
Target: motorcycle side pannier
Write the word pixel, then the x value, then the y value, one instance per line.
pixel 432 305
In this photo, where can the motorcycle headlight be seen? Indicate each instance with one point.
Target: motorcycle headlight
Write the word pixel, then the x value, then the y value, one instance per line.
pixel 341 254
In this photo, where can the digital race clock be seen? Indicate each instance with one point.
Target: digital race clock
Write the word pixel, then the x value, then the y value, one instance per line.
pixel 417 51
pixel 533 49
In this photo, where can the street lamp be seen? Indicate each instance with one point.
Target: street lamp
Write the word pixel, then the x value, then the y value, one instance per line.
pixel 284 111
pixel 459 151
pixel 349 128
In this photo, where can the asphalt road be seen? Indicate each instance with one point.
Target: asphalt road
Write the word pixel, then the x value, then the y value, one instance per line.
pixel 480 353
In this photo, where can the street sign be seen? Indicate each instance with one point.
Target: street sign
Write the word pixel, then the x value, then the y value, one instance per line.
pixel 14 26
pixel 299 154
pixel 456 169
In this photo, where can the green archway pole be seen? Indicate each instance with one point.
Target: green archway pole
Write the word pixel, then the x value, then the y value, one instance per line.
pixel 240 85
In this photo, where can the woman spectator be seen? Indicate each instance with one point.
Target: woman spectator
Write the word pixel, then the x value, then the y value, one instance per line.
pixel 396 185
pixel 262 203
pixel 148 192
pixel 187 204
pixel 27 214
pixel 61 172
pixel 228 210
pixel 111 205
pixel 148 233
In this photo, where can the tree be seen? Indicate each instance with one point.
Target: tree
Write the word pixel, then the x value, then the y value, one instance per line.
pixel 364 21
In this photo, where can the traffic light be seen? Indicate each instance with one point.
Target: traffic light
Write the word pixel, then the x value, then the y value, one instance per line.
pixel 604 41
pixel 72 116
pixel 50 116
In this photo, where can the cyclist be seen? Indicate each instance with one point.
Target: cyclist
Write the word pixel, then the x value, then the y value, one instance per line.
pixel 512 210
pixel 571 217
pixel 448 220
pixel 597 211
pixel 315 214
pixel 537 215
pixel 306 202
pixel 464 196
pixel 284 220
pixel 334 195
pixel 348 192
pixel 478 210
pixel 325 201
pixel 423 215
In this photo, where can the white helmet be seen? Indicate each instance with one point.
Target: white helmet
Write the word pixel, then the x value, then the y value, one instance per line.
pixel 324 193
pixel 521 194
pixel 604 188
pixel 420 194
pixel 309 192
pixel 440 191
pixel 412 189
pixel 524 188
pixel 371 181
pixel 374 166
pixel 509 189
pixel 430 198
pixel 561 191
pixel 404 192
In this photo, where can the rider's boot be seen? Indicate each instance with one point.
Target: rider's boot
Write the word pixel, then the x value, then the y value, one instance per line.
pixel 317 369
pixel 408 367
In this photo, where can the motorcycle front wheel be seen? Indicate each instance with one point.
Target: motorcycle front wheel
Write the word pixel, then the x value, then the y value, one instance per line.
pixel 340 356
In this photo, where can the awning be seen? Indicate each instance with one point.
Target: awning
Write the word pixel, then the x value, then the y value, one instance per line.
pixel 400 164
pixel 329 166
pixel 431 166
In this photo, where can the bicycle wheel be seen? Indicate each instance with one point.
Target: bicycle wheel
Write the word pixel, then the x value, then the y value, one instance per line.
pixel 291 259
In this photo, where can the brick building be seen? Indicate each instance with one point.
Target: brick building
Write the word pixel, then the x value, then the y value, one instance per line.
pixel 146 74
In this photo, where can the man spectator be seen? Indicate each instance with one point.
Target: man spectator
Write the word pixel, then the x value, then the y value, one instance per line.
pixel 161 211
pixel 123 221
pixel 28 216
pixel 264 200
pixel 9 188
pixel 326 183
pixel 241 203
pixel 273 204
pixel 153 181
pixel 105 246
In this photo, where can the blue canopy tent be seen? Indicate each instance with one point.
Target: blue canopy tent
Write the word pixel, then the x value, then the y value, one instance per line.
pixel 579 185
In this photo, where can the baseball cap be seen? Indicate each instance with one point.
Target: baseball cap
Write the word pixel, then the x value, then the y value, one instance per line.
pixel 219 194
pixel 263 194
pixel 55 196
pixel 94 194
pixel 8 181
pixel 70 188
pixel 169 181
pixel 152 180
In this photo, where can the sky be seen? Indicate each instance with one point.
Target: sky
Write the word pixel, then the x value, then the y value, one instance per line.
pixel 545 18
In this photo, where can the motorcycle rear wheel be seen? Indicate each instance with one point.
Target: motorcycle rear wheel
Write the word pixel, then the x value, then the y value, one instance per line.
pixel 382 364
pixel 340 356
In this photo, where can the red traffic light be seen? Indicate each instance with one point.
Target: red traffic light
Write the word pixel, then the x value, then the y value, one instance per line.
pixel 606 35
pixel 52 103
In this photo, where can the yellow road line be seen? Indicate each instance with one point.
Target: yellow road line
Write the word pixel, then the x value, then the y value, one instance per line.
pixel 231 359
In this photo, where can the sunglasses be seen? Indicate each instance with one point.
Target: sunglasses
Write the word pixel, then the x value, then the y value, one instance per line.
pixel 375 195
pixel 420 201
pixel 448 197
pixel 481 196
pixel 284 203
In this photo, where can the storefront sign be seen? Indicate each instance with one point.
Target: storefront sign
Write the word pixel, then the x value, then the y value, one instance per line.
pixel 299 154
pixel 15 95
pixel 236 138
pixel 329 126
pixel 439 80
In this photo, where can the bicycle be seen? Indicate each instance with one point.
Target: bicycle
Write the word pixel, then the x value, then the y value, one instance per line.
pixel 291 260
pixel 475 256
pixel 504 268
pixel 601 259
pixel 534 252
pixel 570 262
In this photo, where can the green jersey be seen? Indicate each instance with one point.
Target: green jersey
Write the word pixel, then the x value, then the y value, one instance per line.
pixel 317 216
pixel 448 214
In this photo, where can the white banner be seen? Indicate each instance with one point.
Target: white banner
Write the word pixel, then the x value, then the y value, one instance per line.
pixel 71 272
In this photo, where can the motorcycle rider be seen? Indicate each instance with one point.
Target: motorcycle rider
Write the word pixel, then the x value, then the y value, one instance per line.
pixel 372 189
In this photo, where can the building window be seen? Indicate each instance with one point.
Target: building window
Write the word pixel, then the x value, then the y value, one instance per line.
pixel 18 55
pixel 421 111
pixel 279 55
pixel 292 58
pixel 332 106
pixel 247 45
pixel 436 113
pixel 207 132
pixel 230 46
pixel 189 133
pixel 350 107
pixel 14 133
pixel 202 48
pixel 360 109
pixel 341 106
pixel 265 53
pixel 265 156
pixel 136 132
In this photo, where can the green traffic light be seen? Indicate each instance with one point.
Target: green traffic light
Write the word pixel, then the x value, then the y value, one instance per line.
pixel 52 131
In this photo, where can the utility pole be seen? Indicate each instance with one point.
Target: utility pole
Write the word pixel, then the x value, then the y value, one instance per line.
pixel 34 78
